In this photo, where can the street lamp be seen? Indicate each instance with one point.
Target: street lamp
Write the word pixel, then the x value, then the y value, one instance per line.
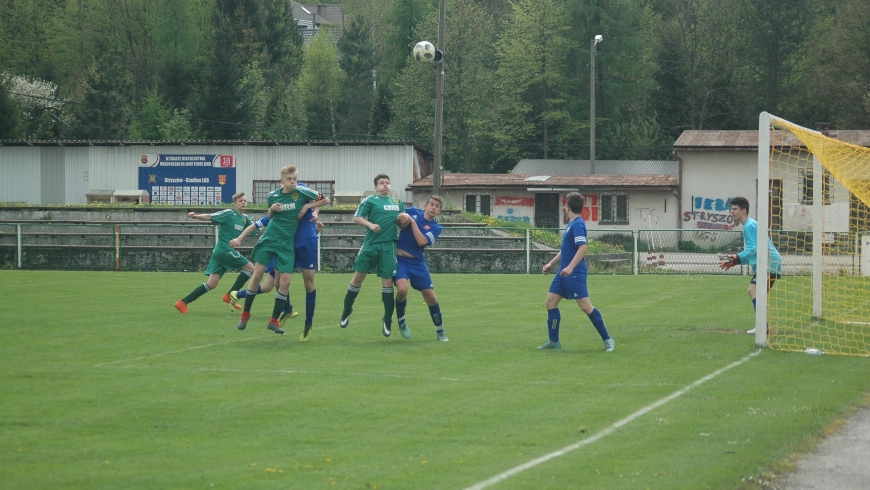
pixel 598 38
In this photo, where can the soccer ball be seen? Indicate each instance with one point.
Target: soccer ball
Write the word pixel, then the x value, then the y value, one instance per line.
pixel 424 51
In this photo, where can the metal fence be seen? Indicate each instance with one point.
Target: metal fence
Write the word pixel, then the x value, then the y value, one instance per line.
pixel 177 246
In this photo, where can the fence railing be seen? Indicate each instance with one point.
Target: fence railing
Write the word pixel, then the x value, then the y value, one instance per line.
pixel 177 246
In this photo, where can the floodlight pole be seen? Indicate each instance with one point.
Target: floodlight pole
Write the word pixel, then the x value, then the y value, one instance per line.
pixel 598 38
pixel 439 99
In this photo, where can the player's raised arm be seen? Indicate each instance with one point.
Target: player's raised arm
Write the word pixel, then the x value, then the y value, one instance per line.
pixel 321 201
pixel 202 217
pixel 256 225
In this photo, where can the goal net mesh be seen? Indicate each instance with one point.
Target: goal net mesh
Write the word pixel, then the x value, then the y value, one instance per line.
pixel 820 222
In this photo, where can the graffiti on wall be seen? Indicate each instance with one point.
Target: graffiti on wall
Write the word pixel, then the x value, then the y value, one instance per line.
pixel 511 214
pixel 710 213
pixel 590 208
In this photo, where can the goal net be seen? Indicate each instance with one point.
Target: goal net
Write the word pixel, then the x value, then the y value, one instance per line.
pixel 817 214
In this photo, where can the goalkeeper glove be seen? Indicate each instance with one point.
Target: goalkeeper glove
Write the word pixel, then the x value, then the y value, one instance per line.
pixel 731 262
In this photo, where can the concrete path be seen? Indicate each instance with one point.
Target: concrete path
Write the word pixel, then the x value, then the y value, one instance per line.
pixel 841 462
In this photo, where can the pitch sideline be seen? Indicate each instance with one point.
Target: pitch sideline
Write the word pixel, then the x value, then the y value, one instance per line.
pixel 606 432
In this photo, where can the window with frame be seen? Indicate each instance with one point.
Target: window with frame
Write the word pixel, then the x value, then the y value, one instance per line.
pixel 479 203
pixel 614 208
pixel 806 182
pixel 262 188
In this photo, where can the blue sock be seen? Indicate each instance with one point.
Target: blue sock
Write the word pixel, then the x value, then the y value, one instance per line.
pixel 554 317
pixel 310 302
pixel 598 321
pixel 400 308
pixel 242 293
pixel 435 313
pixel 753 303
pixel 288 308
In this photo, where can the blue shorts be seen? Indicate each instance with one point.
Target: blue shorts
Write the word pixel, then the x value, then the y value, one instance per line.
pixel 571 287
pixel 306 253
pixel 270 269
pixel 416 271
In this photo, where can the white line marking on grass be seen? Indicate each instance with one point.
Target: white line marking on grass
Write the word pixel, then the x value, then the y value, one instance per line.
pixel 196 347
pixel 606 432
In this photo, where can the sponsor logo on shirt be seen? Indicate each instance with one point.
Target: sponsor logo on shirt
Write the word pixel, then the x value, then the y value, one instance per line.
pixel 285 207
pixel 391 207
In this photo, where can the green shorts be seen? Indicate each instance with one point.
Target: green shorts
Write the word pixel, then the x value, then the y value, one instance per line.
pixel 377 257
pixel 285 256
pixel 223 260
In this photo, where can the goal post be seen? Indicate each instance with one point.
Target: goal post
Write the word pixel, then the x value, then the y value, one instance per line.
pixel 814 205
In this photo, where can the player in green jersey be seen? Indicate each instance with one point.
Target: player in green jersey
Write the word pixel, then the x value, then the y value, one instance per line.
pixel 382 214
pixel 287 206
pixel 224 257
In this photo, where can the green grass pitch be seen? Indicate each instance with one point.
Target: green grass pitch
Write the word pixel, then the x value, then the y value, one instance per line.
pixel 105 385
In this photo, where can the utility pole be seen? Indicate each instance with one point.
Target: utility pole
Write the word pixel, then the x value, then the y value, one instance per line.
pixel 439 98
pixel 595 41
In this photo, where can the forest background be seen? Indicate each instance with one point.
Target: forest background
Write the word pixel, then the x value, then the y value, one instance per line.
pixel 517 73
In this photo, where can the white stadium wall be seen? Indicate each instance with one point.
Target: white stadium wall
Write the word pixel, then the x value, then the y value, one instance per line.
pixel 64 174
pixel 710 178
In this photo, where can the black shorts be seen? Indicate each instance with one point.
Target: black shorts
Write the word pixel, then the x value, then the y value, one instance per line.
pixel 772 279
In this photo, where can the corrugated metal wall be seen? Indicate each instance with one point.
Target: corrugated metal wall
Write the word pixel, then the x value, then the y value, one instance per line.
pixel 63 174
pixel 20 174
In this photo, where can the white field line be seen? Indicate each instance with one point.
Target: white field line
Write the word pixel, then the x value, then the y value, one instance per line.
pixel 606 432
pixel 188 349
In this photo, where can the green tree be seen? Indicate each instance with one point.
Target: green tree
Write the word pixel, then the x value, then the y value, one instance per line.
pixel 178 40
pixel 531 80
pixel 177 127
pixel 10 115
pixel 320 84
pixel 290 121
pixel 469 75
pixel 698 41
pixel 358 62
pixel 147 122
pixel 104 114
pixel 253 102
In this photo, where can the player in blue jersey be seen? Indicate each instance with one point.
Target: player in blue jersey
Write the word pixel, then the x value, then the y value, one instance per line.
pixel 419 232
pixel 570 281
pixel 749 255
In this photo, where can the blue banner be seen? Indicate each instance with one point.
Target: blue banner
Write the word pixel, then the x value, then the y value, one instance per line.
pixel 197 180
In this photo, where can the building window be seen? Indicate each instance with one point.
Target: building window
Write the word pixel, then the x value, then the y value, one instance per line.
pixel 614 208
pixel 806 187
pixel 479 203
pixel 262 188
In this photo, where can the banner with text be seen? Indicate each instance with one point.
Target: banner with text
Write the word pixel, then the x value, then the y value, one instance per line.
pixel 198 180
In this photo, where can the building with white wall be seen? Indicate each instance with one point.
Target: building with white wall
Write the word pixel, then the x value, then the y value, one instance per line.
pixel 718 165
pixel 64 172
pixel 620 195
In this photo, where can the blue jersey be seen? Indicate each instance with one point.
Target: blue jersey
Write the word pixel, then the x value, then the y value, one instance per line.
pixel 749 254
pixel 573 238
pixel 431 229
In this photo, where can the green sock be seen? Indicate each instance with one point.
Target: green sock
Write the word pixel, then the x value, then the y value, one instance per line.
pixel 240 281
pixel 196 293
pixel 388 297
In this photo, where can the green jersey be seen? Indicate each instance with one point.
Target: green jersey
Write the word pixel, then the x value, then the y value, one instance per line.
pixel 383 211
pixel 231 225
pixel 283 224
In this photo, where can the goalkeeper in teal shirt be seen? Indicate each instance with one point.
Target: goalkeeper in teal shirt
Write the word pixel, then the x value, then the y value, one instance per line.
pixel 749 255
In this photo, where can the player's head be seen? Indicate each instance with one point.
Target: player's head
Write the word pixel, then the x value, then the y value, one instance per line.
pixel 289 174
pixel 240 200
pixel 574 202
pixel 382 184
pixel 433 206
pixel 740 209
